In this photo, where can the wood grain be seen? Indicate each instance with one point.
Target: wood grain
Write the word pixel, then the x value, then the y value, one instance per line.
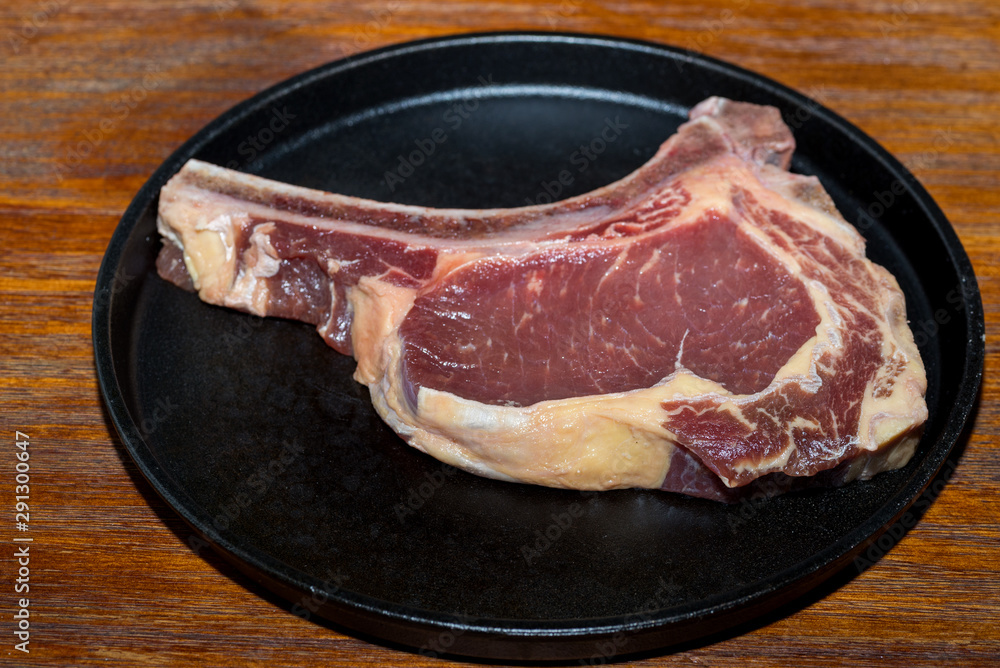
pixel 94 95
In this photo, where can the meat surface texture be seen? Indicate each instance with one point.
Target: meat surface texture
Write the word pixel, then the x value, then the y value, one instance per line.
pixel 706 325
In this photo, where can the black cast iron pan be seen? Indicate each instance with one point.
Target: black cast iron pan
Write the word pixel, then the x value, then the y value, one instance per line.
pixel 254 432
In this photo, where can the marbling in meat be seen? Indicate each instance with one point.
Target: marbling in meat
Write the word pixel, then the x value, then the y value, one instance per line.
pixel 704 323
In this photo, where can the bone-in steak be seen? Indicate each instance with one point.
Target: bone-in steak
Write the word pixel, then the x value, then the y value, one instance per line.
pixel 704 323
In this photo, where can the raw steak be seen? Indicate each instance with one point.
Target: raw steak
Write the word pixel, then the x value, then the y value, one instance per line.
pixel 704 323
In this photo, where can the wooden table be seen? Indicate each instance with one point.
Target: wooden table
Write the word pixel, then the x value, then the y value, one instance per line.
pixel 94 95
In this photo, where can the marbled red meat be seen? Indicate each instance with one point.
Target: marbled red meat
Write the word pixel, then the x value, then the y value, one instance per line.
pixel 706 322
